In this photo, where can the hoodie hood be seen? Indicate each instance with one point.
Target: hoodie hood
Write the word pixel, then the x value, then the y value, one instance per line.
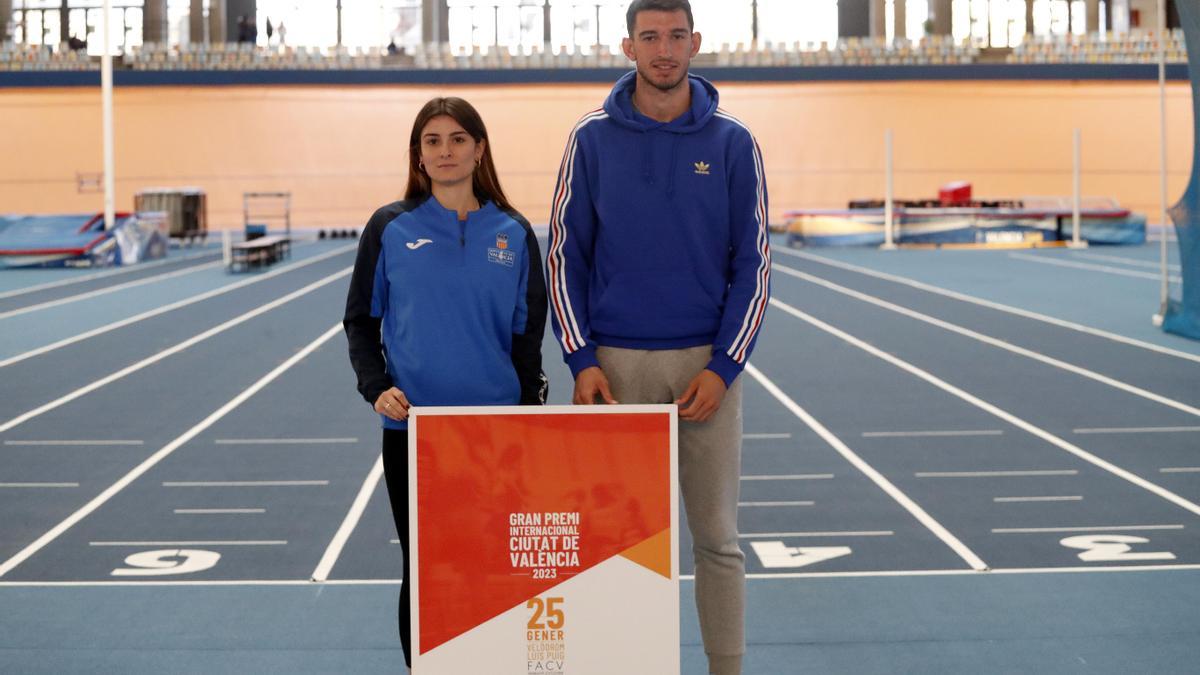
pixel 619 106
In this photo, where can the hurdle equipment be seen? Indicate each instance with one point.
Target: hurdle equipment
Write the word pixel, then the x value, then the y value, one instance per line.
pixel 261 211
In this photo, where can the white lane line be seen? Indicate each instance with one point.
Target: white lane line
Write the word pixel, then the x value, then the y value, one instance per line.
pixel 1105 269
pixel 963 297
pixel 73 442
pixel 39 485
pixel 883 483
pixel 245 483
pixel 164 452
pixel 1180 469
pixel 921 434
pixel 102 275
pixel 796 476
pixel 217 511
pixel 1125 261
pixel 995 474
pixel 994 342
pixel 108 289
pixel 1012 500
pixel 325 566
pixel 765 576
pixel 192 341
pixel 244 542
pixel 756 437
pixel 773 504
pixel 172 306
pixel 1136 430
pixel 1105 528
pixel 283 441
pixel 988 407
pixel 866 533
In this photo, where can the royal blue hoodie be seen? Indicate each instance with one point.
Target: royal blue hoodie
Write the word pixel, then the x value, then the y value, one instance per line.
pixel 658 233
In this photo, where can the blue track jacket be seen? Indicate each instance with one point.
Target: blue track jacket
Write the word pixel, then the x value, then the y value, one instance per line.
pixel 658 233
pixel 452 313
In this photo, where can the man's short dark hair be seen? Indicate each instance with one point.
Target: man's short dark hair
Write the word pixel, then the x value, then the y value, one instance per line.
pixel 658 6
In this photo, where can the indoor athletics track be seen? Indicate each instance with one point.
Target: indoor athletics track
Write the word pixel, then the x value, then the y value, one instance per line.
pixel 955 461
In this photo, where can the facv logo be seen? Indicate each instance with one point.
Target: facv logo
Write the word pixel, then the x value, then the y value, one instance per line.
pixel 414 245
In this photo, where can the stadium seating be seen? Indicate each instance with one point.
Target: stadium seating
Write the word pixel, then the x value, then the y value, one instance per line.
pixel 1136 47
pixel 32 58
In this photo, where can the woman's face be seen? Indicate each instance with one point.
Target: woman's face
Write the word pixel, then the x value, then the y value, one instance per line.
pixel 448 151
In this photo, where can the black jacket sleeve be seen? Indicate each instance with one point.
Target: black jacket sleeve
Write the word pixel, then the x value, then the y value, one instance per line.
pixel 527 346
pixel 362 329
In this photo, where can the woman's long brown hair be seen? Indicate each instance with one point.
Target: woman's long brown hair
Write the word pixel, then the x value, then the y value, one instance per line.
pixel 484 181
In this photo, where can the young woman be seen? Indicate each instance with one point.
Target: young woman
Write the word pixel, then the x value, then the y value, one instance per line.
pixel 447 304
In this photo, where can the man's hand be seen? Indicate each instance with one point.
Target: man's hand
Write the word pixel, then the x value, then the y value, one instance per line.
pixel 589 384
pixel 702 398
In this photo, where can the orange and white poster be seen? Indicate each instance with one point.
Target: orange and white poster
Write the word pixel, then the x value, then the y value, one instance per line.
pixel 544 540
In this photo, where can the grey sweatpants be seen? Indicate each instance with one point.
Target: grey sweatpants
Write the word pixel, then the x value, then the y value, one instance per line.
pixel 709 476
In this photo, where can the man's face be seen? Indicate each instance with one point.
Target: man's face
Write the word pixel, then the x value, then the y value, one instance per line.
pixel 662 46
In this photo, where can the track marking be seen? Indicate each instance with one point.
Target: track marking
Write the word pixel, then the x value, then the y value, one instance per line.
pixel 325 566
pixel 773 535
pixel 963 297
pixel 39 485
pixel 263 542
pixel 1126 261
pixel 103 275
pixel 995 474
pixel 74 442
pixel 1180 469
pixel 773 504
pixel 283 441
pixel 883 483
pixel 992 409
pixel 1094 268
pixel 920 434
pixel 995 342
pixel 760 576
pixel 1008 500
pixel 190 342
pixel 245 483
pixel 170 307
pixel 217 511
pixel 798 476
pixel 1136 430
pixel 164 452
pixel 1106 528
pixel 756 437
pixel 107 289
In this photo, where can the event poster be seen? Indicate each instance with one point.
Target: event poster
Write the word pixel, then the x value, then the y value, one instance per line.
pixel 544 540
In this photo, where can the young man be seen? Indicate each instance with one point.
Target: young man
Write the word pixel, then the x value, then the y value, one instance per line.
pixel 659 271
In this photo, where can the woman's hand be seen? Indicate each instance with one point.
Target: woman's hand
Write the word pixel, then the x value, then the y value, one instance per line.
pixel 393 404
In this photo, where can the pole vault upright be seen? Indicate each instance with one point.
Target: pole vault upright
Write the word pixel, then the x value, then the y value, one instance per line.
pixel 106 102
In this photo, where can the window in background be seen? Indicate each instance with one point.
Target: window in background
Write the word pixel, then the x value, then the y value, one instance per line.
pixel 723 22
pixel 787 21
pixel 1078 17
pixel 916 13
pixel 306 24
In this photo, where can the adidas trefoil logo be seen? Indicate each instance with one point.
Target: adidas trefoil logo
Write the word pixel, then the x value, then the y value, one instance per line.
pixel 702 168
pixel 414 245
